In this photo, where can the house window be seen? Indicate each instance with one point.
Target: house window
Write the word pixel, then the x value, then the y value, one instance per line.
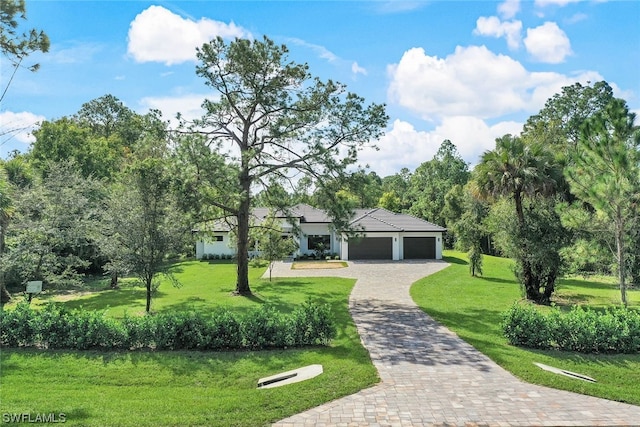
pixel 319 242
pixel 217 238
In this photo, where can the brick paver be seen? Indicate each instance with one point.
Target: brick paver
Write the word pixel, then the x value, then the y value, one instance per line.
pixel 429 376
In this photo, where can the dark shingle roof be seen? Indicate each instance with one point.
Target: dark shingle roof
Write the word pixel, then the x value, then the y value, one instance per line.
pixel 369 220
pixel 380 219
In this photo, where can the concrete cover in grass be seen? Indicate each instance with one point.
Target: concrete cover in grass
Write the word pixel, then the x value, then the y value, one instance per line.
pixel 429 376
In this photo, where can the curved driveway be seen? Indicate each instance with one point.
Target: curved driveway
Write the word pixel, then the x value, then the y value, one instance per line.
pixel 429 376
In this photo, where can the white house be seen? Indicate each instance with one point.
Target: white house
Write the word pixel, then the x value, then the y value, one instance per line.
pixel 382 235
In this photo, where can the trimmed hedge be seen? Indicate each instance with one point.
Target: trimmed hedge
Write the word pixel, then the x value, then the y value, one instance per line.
pixel 57 327
pixel 616 330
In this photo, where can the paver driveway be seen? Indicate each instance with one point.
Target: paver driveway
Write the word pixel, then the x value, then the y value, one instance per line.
pixel 429 376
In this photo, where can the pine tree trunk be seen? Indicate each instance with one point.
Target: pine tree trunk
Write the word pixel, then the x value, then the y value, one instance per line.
pixel 619 224
pixel 242 285
pixel 148 308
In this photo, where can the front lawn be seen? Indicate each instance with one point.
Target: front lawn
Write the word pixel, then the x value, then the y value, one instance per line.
pixel 472 307
pixel 147 388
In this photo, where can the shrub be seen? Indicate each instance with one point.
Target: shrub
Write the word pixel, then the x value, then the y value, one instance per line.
pixel 525 326
pixel 263 328
pixel 312 325
pixel 583 330
pixel 17 327
pixel 225 332
pixel 57 327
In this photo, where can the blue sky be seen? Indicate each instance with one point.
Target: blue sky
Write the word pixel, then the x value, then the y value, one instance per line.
pixel 468 71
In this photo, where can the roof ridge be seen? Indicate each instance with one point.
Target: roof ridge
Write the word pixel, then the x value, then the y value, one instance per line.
pixel 383 221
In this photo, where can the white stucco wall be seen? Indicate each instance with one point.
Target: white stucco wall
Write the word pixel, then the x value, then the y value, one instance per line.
pixel 225 247
pixel 317 229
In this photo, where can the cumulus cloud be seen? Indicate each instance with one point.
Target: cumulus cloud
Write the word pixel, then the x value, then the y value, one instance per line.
pixel 159 35
pixel 509 9
pixel 492 27
pixel 405 146
pixel 472 81
pixel 18 127
pixel 548 43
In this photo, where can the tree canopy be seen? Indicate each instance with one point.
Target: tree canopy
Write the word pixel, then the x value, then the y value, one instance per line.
pixel 271 120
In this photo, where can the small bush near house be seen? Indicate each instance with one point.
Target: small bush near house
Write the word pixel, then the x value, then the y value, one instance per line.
pixel 616 330
pixel 57 327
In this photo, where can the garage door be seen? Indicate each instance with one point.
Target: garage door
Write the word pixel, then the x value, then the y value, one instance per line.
pixel 371 248
pixel 419 248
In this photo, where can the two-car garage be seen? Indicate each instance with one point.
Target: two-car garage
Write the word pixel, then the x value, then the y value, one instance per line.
pixel 388 235
pixel 370 248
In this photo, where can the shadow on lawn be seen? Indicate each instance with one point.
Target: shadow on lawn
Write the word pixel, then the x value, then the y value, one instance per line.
pixel 455 260
pixel 112 298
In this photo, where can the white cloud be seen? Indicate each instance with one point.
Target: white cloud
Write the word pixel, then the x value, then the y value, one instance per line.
pixel 159 35
pixel 189 106
pixel 561 3
pixel 404 146
pixel 472 81
pixel 321 51
pixel 492 27
pixel 509 9
pixel 548 43
pixel 357 69
pixel 18 127
pixel 577 18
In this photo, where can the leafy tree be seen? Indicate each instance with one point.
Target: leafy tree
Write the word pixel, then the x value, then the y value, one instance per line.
pixel 390 201
pixel 560 120
pixel 65 139
pixel 100 138
pixel 465 215
pixel 433 179
pixel 143 225
pixel 6 212
pixel 606 173
pixel 271 119
pixel 272 244
pixel 19 171
pixel 516 170
pixel 397 186
pixel 55 223
pixel 15 46
pixel 365 187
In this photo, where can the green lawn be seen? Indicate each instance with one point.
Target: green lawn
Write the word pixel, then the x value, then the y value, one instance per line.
pixel 472 307
pixel 189 388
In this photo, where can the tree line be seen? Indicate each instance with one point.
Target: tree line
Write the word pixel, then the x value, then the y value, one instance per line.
pixel 110 190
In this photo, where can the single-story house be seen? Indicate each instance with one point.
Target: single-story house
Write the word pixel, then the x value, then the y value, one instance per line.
pixel 382 235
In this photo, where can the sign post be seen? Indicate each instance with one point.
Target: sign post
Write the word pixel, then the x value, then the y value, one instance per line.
pixel 34 287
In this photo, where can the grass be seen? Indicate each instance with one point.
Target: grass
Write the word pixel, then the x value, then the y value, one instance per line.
pixel 147 388
pixel 472 307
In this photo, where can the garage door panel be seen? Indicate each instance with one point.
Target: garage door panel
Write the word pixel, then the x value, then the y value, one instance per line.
pixel 371 248
pixel 419 247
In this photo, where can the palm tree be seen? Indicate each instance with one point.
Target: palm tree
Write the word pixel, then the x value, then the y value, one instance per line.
pixel 517 169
